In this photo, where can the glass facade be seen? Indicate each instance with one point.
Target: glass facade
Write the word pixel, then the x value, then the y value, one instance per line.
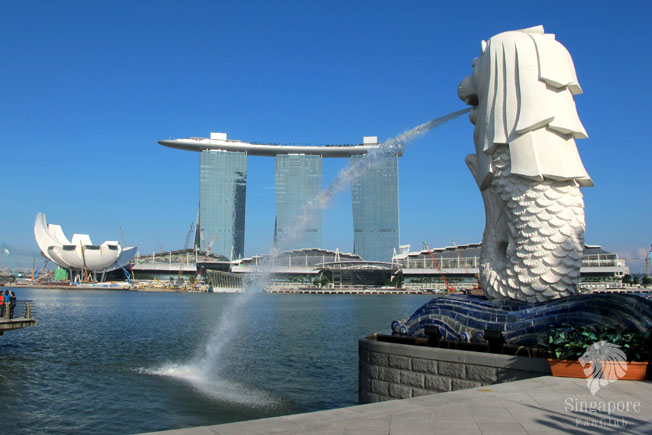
pixel 298 181
pixel 375 210
pixel 222 197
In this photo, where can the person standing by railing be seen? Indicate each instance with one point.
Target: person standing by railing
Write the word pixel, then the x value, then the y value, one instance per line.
pixel 12 304
pixel 7 303
pixel 2 304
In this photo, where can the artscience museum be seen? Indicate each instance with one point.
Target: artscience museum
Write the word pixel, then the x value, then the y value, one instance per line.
pixel 79 255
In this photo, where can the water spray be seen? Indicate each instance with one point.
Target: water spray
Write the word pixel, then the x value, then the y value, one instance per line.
pixel 395 145
pixel 344 178
pixel 203 369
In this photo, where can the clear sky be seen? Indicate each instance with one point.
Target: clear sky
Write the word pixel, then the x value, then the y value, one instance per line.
pixel 87 88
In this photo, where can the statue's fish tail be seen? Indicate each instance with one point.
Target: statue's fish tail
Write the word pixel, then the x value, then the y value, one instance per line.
pixel 537 254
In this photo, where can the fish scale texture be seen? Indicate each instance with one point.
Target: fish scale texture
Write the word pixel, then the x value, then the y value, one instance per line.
pixel 535 251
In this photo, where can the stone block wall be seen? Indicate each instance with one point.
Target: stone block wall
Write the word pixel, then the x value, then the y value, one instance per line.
pixel 399 371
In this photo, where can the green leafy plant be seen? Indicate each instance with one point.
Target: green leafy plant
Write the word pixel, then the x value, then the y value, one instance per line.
pixel 570 341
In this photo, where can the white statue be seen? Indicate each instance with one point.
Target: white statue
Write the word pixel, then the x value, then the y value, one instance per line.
pixel 527 165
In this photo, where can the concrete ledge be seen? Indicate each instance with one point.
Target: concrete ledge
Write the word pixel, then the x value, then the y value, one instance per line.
pixel 399 371
pixel 458 356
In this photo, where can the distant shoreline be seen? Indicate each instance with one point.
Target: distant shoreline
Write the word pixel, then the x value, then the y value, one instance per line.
pixel 296 290
pixel 293 290
pixel 99 287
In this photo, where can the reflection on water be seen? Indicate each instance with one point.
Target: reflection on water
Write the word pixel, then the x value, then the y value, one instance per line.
pixel 104 361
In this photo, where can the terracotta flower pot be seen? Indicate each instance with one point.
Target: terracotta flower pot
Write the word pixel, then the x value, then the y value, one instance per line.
pixel 567 368
pixel 636 371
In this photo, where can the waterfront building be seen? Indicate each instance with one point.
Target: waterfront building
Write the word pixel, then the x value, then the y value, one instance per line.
pixel 459 267
pixel 302 267
pixel 292 263
pixel 222 198
pixel 298 181
pixel 223 180
pixel 174 265
pixel 185 268
pixel 375 209
pixel 83 259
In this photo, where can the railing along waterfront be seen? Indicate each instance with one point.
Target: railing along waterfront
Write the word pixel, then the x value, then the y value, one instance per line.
pixel 20 307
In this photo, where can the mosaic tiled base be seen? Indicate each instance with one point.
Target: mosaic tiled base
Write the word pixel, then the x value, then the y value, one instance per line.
pixel 465 318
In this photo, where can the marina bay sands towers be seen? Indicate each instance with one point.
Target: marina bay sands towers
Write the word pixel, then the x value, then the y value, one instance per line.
pixel 298 180
pixel 222 198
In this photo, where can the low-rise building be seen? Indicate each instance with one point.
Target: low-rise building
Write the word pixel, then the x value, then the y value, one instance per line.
pixel 459 267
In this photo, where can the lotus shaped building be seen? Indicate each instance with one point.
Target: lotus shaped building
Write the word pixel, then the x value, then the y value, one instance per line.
pixel 80 254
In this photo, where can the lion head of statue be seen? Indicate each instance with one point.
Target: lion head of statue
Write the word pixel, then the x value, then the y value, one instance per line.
pixel 522 91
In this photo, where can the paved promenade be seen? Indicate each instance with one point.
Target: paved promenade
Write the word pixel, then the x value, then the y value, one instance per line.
pixel 544 405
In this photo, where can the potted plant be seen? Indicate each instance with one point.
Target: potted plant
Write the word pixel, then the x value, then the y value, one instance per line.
pixel 622 354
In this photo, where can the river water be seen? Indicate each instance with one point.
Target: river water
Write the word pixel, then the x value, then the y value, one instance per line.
pixel 103 361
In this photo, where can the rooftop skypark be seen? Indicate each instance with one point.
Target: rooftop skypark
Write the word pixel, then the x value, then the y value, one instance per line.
pixel 219 141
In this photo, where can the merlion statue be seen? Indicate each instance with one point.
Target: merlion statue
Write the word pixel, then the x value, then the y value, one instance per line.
pixel 527 165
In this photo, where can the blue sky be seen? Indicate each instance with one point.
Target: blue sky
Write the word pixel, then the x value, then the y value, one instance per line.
pixel 87 89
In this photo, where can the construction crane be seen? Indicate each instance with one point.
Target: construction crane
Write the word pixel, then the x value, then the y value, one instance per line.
pixel 158 243
pixel 188 236
pixel 6 251
pixel 43 271
pixel 202 240
pixel 436 264
pixel 210 244
pixel 647 262
pixel 33 268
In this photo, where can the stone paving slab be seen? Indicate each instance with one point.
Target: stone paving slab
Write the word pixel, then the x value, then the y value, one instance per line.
pixel 545 405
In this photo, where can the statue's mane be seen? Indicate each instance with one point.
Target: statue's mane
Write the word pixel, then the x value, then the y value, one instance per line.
pixel 526 81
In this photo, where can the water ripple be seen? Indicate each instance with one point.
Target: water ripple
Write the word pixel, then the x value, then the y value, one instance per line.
pixel 104 362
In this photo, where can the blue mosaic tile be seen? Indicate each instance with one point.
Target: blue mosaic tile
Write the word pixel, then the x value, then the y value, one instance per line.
pixel 523 323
